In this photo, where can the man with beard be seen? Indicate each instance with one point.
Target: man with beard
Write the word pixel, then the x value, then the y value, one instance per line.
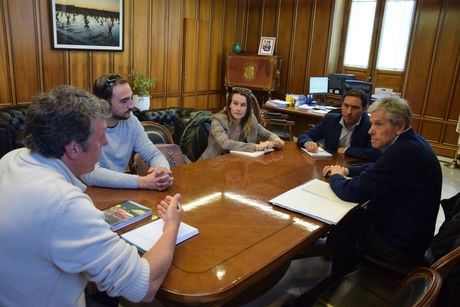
pixel 345 132
pixel 125 135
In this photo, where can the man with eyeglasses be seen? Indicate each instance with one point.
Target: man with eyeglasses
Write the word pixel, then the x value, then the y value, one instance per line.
pixel 345 132
pixel 125 135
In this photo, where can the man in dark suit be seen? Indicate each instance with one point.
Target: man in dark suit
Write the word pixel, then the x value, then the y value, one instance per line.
pixel 404 186
pixel 344 132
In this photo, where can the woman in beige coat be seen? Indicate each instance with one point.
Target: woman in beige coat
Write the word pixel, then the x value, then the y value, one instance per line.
pixel 236 128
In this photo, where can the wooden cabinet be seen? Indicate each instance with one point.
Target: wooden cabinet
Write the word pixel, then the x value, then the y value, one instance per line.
pixel 253 71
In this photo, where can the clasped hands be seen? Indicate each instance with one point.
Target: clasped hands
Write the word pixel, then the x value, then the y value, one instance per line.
pixel 278 144
pixel 157 178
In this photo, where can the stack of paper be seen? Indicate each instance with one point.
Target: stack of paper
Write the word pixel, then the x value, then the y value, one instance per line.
pixel 320 154
pixel 315 199
pixel 147 235
pixel 253 154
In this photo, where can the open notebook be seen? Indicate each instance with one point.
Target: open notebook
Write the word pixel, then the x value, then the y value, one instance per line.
pixel 146 236
pixel 315 199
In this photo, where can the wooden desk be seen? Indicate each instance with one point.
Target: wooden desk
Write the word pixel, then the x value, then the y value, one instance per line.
pixel 243 240
pixel 303 118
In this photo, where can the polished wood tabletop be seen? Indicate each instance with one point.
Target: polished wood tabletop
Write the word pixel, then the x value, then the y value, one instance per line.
pixel 242 238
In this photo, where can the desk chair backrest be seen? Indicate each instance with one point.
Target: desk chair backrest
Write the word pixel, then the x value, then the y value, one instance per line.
pixel 157 133
pixel 419 288
pixel 162 138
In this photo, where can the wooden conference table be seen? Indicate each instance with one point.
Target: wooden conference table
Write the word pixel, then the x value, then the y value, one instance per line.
pixel 244 243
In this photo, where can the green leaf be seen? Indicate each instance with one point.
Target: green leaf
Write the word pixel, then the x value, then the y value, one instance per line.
pixel 140 84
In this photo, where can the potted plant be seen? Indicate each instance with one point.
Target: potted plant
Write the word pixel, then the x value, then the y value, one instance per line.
pixel 141 85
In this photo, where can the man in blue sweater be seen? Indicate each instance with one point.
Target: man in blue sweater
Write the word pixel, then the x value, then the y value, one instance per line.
pixel 404 186
pixel 344 132
pixel 125 134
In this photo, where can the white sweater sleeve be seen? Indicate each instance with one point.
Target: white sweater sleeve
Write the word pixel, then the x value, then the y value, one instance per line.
pixel 104 177
pixel 81 242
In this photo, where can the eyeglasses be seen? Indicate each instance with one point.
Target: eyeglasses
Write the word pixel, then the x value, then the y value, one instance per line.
pixel 111 80
pixel 242 90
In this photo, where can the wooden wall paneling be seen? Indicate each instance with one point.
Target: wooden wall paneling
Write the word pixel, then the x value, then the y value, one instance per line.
pixel 204 32
pixel 418 68
pixel 38 39
pixel 450 136
pixel 270 20
pixel 217 55
pixel 122 60
pixel 24 49
pixel 141 36
pixel 431 130
pixel 5 84
pixel 286 16
pixel 360 74
pixel 416 122
pixel 79 70
pixel 388 79
pixel 454 110
pixel 229 28
pixel 213 103
pixel 253 30
pixel 300 45
pixel 174 48
pixel 158 50
pixel 320 37
pixel 190 50
pixel 240 19
pixel 189 101
pixel 53 61
pixel 157 102
pixel 172 101
pixel 201 102
pixel 100 64
pixel 445 59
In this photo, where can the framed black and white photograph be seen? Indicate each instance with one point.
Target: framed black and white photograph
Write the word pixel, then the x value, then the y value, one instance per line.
pixel 87 24
pixel 267 45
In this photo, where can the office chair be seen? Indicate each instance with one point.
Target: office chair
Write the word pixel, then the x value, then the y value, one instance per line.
pixel 157 133
pixel 366 87
pixel 162 138
pixel 420 288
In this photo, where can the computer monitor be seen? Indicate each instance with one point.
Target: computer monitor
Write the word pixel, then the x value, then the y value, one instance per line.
pixel 366 87
pixel 318 85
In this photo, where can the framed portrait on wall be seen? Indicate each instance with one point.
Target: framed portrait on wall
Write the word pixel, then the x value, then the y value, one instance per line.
pixel 267 45
pixel 87 24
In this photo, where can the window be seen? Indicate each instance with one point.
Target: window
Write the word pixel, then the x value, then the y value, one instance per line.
pixel 394 40
pixel 360 25
pixel 364 49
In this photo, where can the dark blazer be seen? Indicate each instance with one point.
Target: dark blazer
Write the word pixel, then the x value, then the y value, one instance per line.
pixel 405 187
pixel 330 128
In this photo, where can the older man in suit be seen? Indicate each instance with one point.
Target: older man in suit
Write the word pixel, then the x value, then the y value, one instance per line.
pixel 344 132
pixel 404 186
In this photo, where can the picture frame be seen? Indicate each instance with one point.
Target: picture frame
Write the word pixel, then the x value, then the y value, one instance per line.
pixel 266 45
pixel 87 24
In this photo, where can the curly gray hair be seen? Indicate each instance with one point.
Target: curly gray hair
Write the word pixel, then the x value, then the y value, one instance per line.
pixel 60 116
